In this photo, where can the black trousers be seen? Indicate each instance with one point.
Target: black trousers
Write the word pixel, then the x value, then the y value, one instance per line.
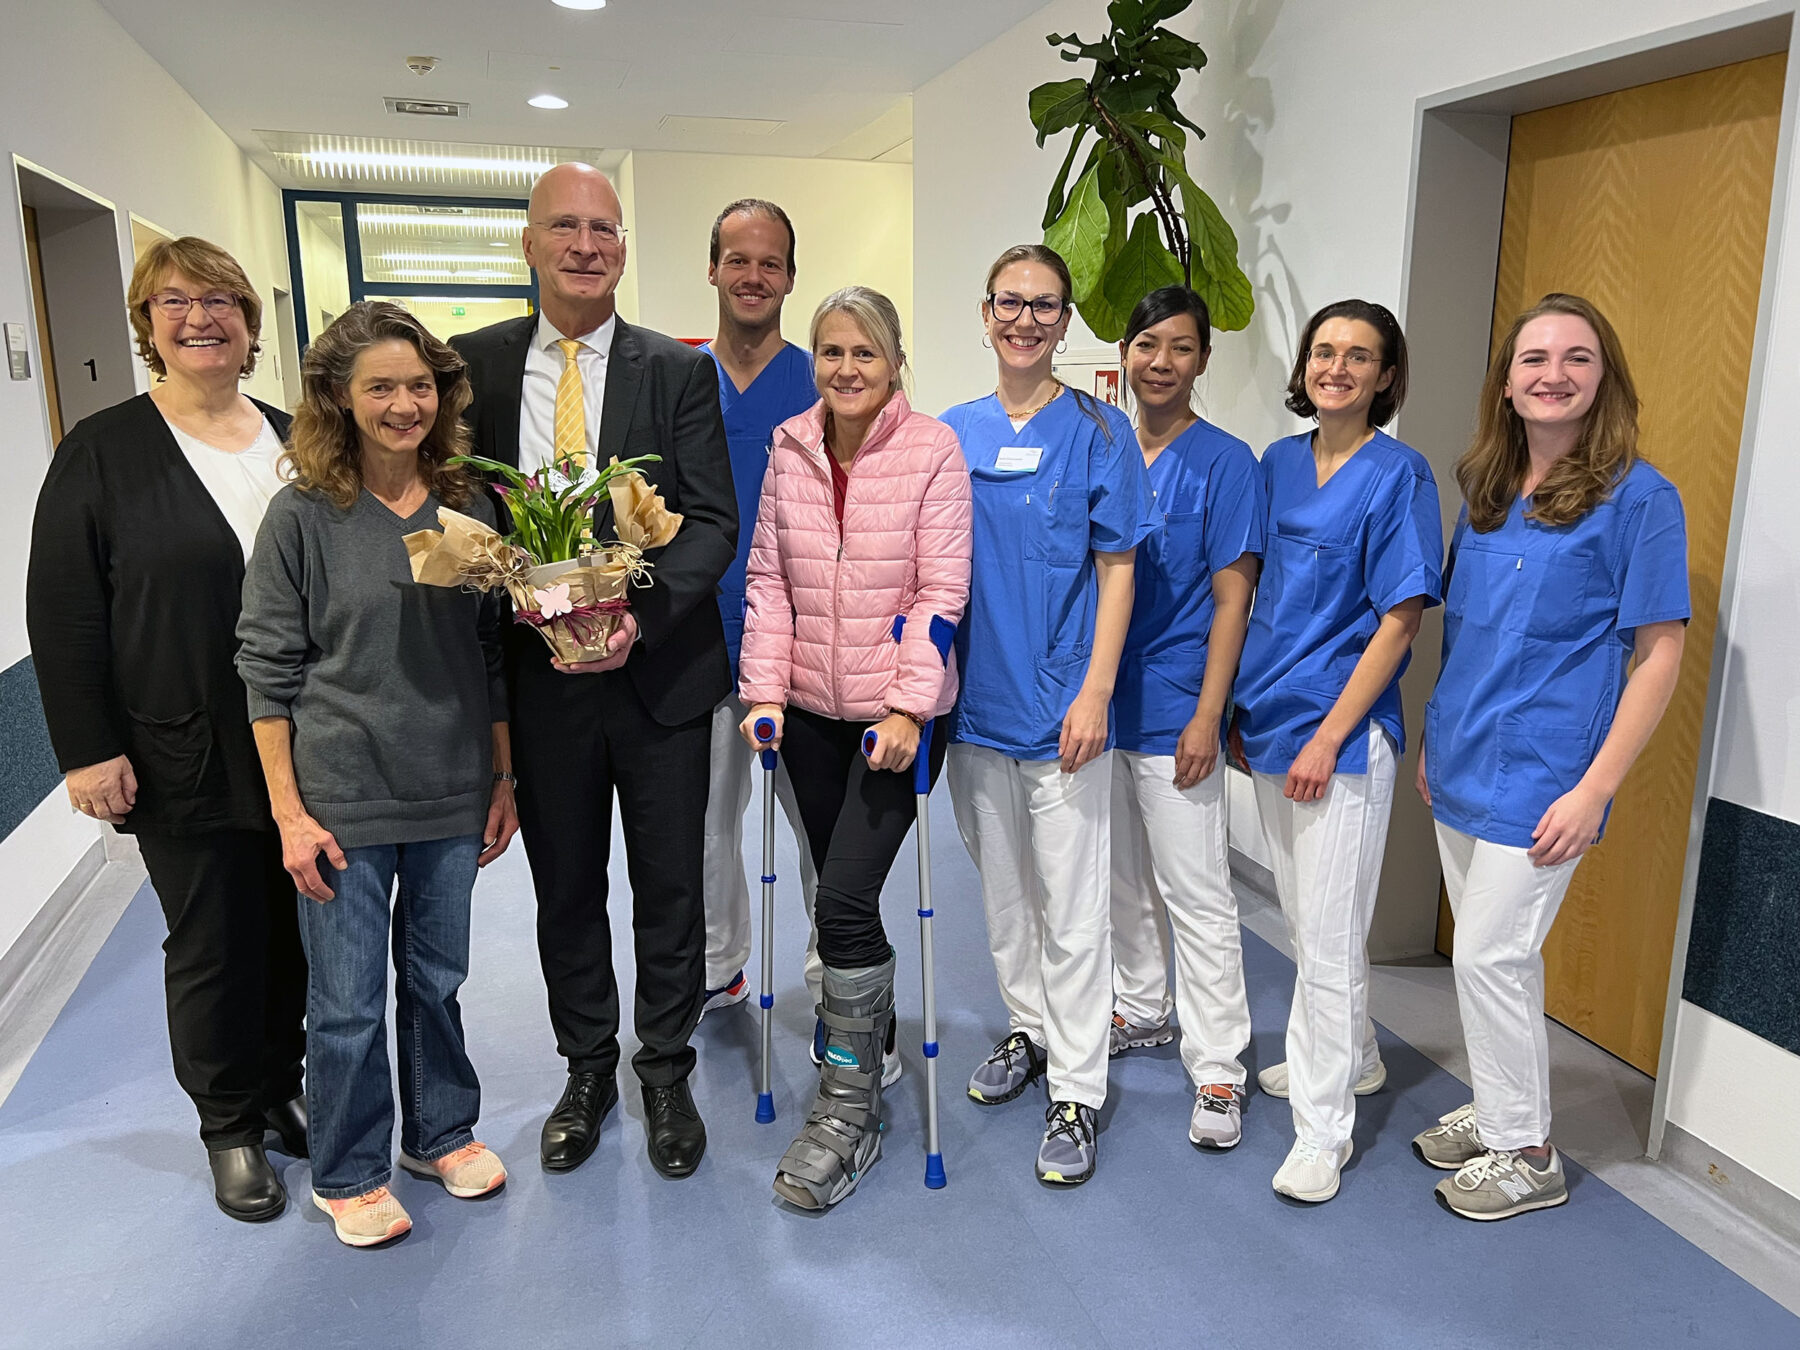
pixel 234 975
pixel 856 818
pixel 576 739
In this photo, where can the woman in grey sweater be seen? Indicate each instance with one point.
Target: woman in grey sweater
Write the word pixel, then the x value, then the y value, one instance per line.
pixel 379 710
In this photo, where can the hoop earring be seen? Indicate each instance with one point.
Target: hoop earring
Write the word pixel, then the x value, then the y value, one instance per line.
pixel 1062 346
pixel 986 343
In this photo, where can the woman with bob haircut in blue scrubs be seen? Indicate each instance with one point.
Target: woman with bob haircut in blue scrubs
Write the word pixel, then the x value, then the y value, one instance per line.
pixel 1061 503
pixel 1171 883
pixel 1353 555
pixel 1563 632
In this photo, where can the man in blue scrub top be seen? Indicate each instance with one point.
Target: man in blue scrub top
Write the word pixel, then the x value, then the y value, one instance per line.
pixel 763 381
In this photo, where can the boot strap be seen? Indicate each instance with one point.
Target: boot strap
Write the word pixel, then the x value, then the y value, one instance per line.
pixel 838 1022
pixel 860 1117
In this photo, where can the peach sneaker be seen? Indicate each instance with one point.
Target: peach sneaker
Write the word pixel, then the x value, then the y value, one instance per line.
pixel 366 1220
pixel 471 1171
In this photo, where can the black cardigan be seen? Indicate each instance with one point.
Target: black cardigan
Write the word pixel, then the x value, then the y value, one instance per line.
pixel 131 604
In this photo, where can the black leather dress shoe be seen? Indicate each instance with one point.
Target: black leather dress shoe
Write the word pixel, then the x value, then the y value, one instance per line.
pixel 677 1136
pixel 574 1126
pixel 289 1121
pixel 244 1184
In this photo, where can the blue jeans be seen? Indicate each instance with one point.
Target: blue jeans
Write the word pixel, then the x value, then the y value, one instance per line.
pixel 350 1093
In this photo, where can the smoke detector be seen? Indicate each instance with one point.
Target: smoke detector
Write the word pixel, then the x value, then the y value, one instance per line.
pixel 421 65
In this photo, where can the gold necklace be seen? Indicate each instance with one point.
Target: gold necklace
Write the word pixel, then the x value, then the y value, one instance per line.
pixel 1033 412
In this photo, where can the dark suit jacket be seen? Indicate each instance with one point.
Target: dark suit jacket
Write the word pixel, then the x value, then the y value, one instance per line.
pixel 662 398
pixel 131 603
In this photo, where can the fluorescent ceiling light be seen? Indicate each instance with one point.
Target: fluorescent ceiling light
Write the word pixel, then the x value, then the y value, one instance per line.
pixel 579 4
pixel 390 219
pixel 478 259
pixel 451 274
pixel 548 101
pixel 375 159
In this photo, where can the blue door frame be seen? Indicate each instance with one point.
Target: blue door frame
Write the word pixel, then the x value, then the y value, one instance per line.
pixel 359 289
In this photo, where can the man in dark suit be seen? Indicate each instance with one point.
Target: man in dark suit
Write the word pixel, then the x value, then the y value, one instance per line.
pixel 576 380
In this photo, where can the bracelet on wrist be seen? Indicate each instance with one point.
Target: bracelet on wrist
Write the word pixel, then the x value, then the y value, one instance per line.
pixel 504 777
pixel 914 718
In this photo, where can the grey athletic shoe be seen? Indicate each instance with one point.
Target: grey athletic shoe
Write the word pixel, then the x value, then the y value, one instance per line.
pixel 1130 1036
pixel 1501 1184
pixel 1452 1142
pixel 1069 1151
pixel 1218 1119
pixel 1015 1065
pixel 1274 1080
pixel 841 1138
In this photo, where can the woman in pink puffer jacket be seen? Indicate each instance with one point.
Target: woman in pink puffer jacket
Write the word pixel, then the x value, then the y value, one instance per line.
pixel 859 573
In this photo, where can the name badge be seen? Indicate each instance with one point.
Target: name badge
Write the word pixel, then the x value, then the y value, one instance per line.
pixel 1018 458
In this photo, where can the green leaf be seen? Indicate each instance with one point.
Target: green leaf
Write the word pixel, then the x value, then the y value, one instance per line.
pixel 1175 50
pixel 1054 207
pixel 1217 275
pixel 1079 233
pixel 1155 11
pixel 1057 106
pixel 1154 123
pixel 1127 16
pixel 1141 266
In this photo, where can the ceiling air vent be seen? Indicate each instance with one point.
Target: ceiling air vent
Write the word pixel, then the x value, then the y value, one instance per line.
pixel 424 107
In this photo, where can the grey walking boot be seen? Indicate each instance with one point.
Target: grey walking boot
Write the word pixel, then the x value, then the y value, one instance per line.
pixel 842 1136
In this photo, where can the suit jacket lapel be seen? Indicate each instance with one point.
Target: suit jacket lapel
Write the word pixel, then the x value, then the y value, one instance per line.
pixel 509 388
pixel 624 377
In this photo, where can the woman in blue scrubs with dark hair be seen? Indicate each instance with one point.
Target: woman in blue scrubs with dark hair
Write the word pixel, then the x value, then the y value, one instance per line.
pixel 1060 504
pixel 1563 631
pixel 1195 577
pixel 1353 553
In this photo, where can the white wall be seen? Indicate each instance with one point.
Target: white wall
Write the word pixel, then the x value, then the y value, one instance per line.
pixel 1309 113
pixel 81 99
pixel 852 222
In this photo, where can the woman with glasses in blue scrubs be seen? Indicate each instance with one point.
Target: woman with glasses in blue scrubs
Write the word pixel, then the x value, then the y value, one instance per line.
pixel 1195 577
pixel 1061 503
pixel 1354 548
pixel 1563 630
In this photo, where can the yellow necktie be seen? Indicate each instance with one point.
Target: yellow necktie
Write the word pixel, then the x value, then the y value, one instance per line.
pixel 570 437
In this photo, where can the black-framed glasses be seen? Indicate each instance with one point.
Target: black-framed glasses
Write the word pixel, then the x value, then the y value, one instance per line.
pixel 175 307
pixel 1046 309
pixel 565 228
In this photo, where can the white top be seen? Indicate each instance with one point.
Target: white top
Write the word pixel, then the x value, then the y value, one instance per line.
pixel 241 481
pixel 543 371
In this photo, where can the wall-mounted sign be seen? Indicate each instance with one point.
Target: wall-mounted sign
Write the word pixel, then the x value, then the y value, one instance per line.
pixel 18 351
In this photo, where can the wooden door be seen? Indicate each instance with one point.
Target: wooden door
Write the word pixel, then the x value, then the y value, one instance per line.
pixel 1654 203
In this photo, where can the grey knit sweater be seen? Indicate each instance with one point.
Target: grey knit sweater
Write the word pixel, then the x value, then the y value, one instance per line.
pixel 391 686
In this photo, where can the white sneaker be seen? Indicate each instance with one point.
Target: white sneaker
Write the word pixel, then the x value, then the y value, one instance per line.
pixel 1274 1080
pixel 1218 1119
pixel 1310 1172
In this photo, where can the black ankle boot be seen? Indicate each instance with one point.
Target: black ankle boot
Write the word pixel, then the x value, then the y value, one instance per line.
pixel 244 1184
pixel 289 1121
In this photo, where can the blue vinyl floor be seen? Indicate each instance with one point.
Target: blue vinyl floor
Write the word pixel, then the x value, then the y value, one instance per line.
pixel 108 1234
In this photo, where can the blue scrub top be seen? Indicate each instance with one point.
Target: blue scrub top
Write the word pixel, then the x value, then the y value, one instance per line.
pixel 1538 626
pixel 1046 498
pixel 1338 558
pixel 782 389
pixel 1211 503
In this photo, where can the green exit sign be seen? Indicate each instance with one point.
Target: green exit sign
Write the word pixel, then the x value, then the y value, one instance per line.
pixel 457 311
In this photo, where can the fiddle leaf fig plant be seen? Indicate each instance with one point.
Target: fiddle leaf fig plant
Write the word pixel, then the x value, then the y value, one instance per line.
pixel 1137 158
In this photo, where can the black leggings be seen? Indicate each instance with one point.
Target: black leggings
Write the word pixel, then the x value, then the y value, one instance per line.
pixel 856 818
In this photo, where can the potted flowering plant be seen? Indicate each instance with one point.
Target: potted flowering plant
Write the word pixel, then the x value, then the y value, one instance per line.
pixel 552 509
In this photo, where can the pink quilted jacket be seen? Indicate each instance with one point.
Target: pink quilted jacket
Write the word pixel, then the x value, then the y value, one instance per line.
pixel 819 625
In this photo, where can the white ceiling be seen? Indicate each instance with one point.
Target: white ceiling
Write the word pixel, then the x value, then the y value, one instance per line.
pixel 639 74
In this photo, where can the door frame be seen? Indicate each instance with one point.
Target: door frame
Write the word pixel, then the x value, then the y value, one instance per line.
pixel 1451 262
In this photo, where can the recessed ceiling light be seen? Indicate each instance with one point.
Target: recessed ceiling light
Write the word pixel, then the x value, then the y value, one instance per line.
pixel 579 4
pixel 548 101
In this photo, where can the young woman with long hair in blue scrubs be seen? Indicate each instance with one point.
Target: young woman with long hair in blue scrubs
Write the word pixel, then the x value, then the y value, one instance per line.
pixel 1563 629
pixel 1354 551
pixel 1194 580
pixel 1061 504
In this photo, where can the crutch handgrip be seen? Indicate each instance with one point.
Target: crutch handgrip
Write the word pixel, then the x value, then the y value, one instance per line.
pixel 765 732
pixel 870 741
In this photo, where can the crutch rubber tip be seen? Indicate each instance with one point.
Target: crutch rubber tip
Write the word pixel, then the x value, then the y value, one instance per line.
pixel 765 1112
pixel 934 1171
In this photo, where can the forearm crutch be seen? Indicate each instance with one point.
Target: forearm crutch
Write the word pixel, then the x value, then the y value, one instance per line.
pixel 765 1097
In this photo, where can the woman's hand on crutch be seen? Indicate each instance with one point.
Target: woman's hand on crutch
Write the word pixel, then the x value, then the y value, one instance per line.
pixel 896 743
pixel 758 712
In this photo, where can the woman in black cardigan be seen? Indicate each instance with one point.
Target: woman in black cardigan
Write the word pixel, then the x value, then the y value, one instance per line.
pixel 137 561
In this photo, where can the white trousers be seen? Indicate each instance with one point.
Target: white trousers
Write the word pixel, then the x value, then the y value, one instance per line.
pixel 1327 862
pixel 1039 837
pixel 1170 872
pixel 1504 905
pixel 736 776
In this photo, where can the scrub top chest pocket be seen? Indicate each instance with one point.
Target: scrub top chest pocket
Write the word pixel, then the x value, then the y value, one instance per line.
pixel 1538 591
pixel 1030 485
pixel 1179 548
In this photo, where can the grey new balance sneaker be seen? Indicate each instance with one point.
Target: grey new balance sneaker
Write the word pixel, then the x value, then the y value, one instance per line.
pixel 1015 1065
pixel 1217 1121
pixel 1069 1151
pixel 1501 1184
pixel 1274 1080
pixel 1451 1142
pixel 1125 1035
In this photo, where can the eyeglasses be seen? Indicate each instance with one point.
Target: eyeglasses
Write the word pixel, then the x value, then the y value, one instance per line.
pixel 565 228
pixel 175 306
pixel 1357 358
pixel 1046 309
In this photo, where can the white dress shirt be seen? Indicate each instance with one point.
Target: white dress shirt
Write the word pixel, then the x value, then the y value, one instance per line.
pixel 543 372
pixel 241 481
